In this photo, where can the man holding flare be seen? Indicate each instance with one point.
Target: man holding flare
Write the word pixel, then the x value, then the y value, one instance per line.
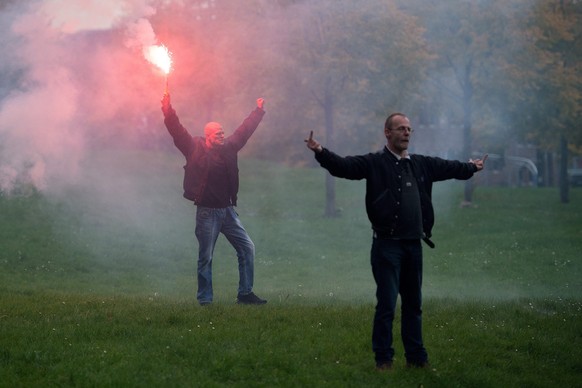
pixel 211 181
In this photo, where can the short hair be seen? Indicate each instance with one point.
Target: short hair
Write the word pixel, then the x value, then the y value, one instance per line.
pixel 388 123
pixel 211 127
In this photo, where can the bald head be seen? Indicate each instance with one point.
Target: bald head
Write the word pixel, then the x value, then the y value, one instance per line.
pixel 214 134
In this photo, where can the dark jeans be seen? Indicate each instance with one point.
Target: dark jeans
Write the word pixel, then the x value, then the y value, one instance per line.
pixel 209 223
pixel 397 269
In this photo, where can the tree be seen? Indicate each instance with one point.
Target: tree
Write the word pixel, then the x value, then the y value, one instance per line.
pixel 547 74
pixel 352 62
pixel 6 3
pixel 468 39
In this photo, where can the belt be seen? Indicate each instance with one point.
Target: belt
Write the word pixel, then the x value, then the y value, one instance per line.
pixel 386 236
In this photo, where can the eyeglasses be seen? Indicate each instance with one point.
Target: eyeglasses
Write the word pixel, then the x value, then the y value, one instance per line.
pixel 402 128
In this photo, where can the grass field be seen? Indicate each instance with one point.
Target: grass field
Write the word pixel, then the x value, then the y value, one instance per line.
pixel 97 286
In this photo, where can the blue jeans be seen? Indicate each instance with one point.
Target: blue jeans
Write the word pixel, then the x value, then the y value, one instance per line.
pixel 397 269
pixel 209 223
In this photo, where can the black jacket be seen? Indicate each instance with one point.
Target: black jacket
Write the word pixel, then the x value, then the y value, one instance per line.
pixel 195 152
pixel 383 186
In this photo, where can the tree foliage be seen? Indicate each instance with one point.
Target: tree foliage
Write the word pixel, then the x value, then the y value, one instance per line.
pixel 508 71
pixel 505 69
pixel 547 73
pixel 350 62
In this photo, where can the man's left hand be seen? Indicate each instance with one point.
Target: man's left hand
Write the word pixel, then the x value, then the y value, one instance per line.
pixel 313 144
pixel 260 103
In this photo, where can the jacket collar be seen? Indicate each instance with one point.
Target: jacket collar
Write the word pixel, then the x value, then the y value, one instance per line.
pixel 397 157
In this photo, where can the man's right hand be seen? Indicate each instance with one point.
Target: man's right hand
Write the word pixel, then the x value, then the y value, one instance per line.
pixel 166 105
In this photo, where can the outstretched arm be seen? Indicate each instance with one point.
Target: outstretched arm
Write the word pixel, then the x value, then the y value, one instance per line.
pixel 349 167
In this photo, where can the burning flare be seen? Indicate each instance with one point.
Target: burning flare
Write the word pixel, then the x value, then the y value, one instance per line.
pixel 159 56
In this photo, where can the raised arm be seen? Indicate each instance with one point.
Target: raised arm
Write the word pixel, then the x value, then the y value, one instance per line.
pixel 242 134
pixel 182 139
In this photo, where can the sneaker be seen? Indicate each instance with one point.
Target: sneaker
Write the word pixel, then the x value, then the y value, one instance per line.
pixel 205 303
pixel 249 299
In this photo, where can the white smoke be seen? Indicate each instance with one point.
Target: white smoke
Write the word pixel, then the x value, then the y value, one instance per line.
pixel 41 136
pixel 35 120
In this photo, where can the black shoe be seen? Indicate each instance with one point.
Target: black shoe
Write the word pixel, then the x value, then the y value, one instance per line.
pixel 383 365
pixel 205 303
pixel 421 364
pixel 249 299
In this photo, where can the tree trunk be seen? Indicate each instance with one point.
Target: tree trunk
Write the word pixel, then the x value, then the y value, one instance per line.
pixel 551 171
pixel 330 203
pixel 564 183
pixel 467 135
pixel 330 208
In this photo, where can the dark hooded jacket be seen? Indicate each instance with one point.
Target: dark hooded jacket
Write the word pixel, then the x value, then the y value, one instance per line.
pixel 383 187
pixel 196 153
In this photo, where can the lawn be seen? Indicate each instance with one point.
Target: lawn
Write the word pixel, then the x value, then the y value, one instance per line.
pixel 97 284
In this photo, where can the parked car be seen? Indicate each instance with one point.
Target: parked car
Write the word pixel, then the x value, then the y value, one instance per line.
pixel 575 177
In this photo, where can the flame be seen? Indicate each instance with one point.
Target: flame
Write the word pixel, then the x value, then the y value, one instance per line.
pixel 159 56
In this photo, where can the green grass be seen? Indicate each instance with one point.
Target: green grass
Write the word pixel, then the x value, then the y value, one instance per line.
pixel 97 286
pixel 75 340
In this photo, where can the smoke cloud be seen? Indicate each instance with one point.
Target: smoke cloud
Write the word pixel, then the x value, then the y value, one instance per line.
pixel 76 93
pixel 70 82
